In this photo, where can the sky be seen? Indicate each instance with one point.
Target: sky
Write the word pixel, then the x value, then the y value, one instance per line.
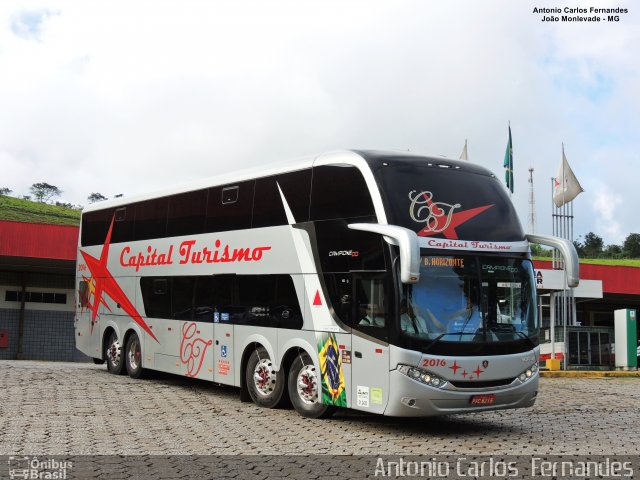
pixel 131 97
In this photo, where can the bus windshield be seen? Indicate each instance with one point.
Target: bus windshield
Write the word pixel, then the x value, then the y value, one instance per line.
pixel 466 298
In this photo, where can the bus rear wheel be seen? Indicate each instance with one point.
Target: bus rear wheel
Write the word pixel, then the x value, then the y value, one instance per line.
pixel 265 384
pixel 133 356
pixel 113 354
pixel 305 389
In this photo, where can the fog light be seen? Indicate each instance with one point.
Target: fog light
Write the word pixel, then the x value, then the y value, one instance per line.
pixel 522 377
pixel 427 378
pixel 415 374
pixel 528 373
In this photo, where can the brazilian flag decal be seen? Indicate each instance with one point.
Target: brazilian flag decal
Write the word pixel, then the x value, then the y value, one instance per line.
pixel 333 392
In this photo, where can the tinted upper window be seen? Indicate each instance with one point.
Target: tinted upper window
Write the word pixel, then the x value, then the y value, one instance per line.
pixel 95 226
pixel 339 192
pixel 268 209
pixel 447 202
pixel 224 214
pixel 186 213
pixel 150 219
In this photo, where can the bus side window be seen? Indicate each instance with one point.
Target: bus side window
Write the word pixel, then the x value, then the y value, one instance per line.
pixel 83 294
pixel 285 308
pixel 213 298
pixel 182 298
pixel 268 206
pixel 255 294
pixel 371 305
pixel 339 192
pixel 229 207
pixel 340 295
pixel 155 296
pixel 150 219
pixel 186 213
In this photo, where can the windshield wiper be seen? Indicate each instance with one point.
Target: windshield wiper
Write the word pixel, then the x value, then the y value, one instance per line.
pixel 533 345
pixel 437 339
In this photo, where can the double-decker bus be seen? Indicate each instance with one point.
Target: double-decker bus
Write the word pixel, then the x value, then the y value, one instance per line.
pixel 385 282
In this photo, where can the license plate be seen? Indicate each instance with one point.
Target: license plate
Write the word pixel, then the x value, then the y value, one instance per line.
pixel 482 400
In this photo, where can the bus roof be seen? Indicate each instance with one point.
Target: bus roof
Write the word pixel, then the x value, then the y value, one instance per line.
pixel 359 158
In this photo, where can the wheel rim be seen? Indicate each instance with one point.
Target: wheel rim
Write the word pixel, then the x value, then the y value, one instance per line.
pixel 134 354
pixel 113 351
pixel 264 377
pixel 307 385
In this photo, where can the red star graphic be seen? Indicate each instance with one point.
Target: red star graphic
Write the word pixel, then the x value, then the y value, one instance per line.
pixel 477 371
pixel 455 367
pixel 87 303
pixel 457 219
pixel 464 373
pixel 104 282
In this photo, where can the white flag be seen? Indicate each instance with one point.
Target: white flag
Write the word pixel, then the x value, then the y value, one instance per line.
pixel 565 185
pixel 463 155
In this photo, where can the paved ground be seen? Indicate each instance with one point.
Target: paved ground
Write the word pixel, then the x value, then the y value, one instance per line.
pixel 80 409
pixel 66 408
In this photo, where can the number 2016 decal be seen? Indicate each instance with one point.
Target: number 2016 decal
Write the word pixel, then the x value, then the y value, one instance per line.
pixel 434 362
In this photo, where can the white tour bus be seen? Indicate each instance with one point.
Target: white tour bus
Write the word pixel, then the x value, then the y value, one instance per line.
pixel 384 282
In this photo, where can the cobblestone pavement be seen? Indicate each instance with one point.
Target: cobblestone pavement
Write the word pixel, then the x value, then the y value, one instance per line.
pixel 77 409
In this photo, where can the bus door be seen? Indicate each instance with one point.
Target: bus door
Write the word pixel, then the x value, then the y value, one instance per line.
pixel 223 371
pixel 214 332
pixel 369 345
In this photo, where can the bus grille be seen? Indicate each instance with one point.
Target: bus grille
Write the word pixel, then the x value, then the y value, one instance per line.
pixel 484 384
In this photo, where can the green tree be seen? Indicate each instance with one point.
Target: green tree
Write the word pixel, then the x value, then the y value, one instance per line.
pixel 96 197
pixel 579 248
pixel 4 191
pixel 539 251
pixel 593 245
pixel 631 245
pixel 43 192
pixel 613 251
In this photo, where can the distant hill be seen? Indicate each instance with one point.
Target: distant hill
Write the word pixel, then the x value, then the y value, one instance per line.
pixel 18 210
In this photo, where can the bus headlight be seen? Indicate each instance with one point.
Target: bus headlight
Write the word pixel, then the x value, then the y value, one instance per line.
pixel 422 376
pixel 528 373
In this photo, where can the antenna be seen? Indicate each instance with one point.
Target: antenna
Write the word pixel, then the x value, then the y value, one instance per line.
pixel 532 204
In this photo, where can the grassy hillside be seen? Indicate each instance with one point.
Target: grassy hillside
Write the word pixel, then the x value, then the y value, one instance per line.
pixel 18 210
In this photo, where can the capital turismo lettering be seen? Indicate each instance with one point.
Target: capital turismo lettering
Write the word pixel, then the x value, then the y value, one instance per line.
pixel 190 253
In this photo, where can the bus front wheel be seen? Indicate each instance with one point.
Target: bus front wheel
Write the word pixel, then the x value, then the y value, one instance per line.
pixel 133 356
pixel 265 384
pixel 305 389
pixel 113 354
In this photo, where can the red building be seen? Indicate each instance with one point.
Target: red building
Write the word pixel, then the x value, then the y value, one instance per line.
pixel 37 292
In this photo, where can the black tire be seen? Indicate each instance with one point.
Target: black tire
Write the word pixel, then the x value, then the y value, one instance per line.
pixel 264 383
pixel 305 389
pixel 114 355
pixel 133 356
pixel 98 361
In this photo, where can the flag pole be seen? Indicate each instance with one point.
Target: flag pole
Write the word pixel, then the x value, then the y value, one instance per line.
pixel 564 285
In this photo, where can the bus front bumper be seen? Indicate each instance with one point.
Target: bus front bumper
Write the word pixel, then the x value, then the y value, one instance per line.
pixel 410 398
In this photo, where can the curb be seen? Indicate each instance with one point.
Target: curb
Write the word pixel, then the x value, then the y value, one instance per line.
pixel 589 374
